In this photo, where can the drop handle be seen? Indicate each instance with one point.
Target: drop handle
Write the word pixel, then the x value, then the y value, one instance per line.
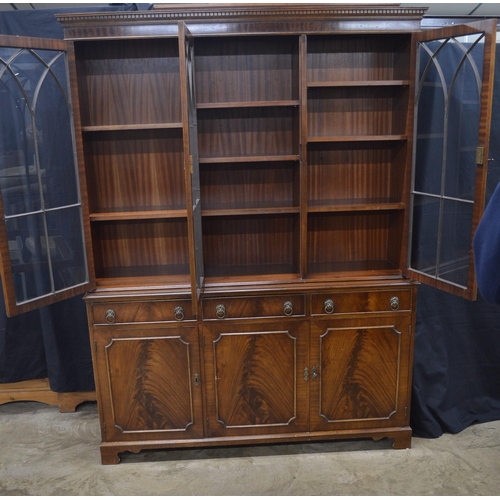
pixel 110 316
pixel 288 308
pixel 394 302
pixel 179 313
pixel 220 311
pixel 329 306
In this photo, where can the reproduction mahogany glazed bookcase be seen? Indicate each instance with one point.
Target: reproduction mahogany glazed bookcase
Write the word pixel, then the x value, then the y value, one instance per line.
pixel 258 189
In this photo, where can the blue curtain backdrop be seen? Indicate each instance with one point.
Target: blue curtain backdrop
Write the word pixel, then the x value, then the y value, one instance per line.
pixel 456 379
pixel 51 341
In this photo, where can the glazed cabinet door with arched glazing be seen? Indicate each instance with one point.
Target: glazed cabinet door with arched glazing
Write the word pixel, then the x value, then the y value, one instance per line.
pixel 44 238
pixel 454 91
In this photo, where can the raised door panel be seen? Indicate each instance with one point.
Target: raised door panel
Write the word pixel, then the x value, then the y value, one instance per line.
pixel 255 378
pixel 148 383
pixel 360 373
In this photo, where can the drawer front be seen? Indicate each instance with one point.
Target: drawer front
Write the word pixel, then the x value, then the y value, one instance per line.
pixel 254 307
pixel 360 302
pixel 142 312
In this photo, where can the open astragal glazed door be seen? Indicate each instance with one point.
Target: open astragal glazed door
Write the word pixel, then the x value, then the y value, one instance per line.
pixel 454 92
pixel 44 241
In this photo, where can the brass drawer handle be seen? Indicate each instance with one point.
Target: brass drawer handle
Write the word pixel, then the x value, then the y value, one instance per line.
pixel 220 311
pixel 394 301
pixel 329 306
pixel 110 316
pixel 288 308
pixel 179 313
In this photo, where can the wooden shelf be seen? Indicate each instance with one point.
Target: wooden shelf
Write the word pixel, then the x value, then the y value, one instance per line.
pixel 249 159
pixel 359 138
pixel 135 126
pixel 360 83
pixel 360 269
pixel 247 104
pixel 249 211
pixel 165 274
pixel 138 215
pixel 316 206
pixel 179 282
pixel 250 274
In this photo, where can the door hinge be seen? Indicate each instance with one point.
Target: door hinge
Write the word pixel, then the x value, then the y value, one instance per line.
pixel 95 347
pixel 104 428
pixel 191 163
pixel 203 340
pixel 406 411
pixel 480 156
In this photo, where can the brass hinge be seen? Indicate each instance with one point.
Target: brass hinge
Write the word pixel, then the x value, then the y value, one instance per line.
pixel 104 427
pixel 479 156
pixel 191 163
pixel 95 347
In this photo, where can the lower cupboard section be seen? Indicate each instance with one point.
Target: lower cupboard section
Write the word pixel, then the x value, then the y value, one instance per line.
pixel 223 382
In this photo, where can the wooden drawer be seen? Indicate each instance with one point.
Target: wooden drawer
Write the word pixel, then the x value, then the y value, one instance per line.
pixel 254 307
pixel 142 312
pixel 360 302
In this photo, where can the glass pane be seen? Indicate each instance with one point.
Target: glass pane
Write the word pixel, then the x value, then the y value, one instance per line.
pixel 18 175
pixel 28 253
pixel 430 126
pixel 55 145
pixel 28 69
pixel 67 248
pixel 448 111
pixel 455 242
pixel 45 55
pixel 425 232
pixel 7 52
pixel 463 123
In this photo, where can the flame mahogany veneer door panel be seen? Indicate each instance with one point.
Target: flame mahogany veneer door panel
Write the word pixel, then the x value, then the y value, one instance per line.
pixel 255 378
pixel 360 373
pixel 148 382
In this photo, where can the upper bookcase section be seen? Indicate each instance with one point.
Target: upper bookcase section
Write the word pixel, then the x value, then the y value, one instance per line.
pixel 217 19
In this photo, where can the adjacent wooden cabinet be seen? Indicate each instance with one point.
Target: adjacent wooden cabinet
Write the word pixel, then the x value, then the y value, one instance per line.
pixel 259 192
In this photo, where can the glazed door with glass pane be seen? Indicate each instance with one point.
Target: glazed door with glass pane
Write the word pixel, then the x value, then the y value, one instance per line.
pixel 191 160
pixel 454 91
pixel 42 239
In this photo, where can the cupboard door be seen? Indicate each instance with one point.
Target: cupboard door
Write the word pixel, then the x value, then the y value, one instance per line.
pixel 44 234
pixel 452 126
pixel 191 162
pixel 255 378
pixel 360 373
pixel 149 383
